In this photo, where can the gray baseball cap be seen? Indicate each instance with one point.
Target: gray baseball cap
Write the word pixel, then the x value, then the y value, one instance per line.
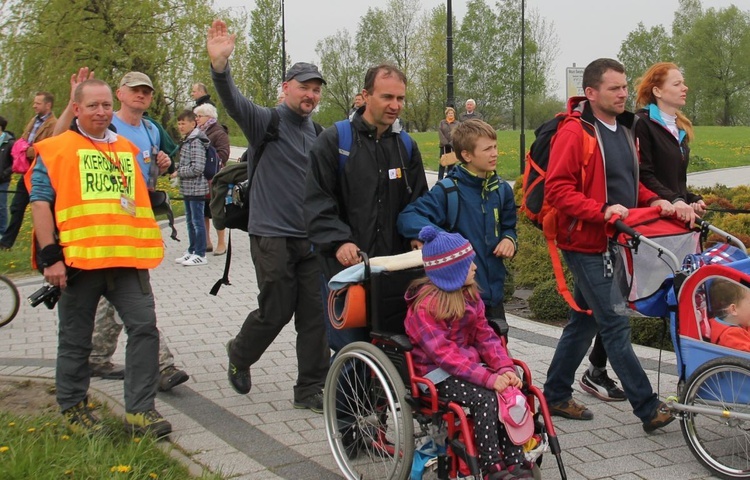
pixel 135 79
pixel 303 72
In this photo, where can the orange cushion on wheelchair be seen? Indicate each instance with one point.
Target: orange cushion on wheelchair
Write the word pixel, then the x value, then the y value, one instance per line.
pixel 347 307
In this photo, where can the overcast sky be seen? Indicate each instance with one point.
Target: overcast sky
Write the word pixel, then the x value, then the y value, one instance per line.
pixel 587 29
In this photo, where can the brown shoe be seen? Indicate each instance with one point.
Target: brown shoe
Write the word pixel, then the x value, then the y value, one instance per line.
pixel 571 409
pixel 661 418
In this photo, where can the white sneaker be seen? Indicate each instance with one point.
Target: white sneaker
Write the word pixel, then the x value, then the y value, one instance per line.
pixel 185 256
pixel 195 260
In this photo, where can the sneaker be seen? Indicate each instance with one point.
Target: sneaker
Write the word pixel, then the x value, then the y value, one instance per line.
pixel 661 418
pixel 148 422
pixel 185 257
pixel 602 387
pixel 195 260
pixel 81 420
pixel 108 371
pixel 313 402
pixel 571 409
pixel 239 378
pixel 170 377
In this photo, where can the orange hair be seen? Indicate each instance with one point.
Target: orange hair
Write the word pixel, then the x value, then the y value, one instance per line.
pixel 655 76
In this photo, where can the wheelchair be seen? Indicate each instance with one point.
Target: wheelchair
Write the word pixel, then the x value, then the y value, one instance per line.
pixel 376 410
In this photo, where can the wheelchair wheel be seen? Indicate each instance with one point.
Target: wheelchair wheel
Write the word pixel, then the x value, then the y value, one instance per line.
pixel 369 426
pixel 9 301
pixel 720 389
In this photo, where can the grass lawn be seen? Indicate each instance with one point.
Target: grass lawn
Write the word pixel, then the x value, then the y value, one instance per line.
pixel 714 147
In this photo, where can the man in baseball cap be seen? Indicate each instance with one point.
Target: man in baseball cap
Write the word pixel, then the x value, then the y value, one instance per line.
pixel 302 72
pixel 136 79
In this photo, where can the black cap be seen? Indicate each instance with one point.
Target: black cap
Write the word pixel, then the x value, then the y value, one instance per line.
pixel 303 72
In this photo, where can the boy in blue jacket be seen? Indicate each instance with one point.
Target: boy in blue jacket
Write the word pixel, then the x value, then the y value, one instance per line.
pixel 486 210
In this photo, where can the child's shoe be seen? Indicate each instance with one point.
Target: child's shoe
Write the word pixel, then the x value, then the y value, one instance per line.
pixel 519 471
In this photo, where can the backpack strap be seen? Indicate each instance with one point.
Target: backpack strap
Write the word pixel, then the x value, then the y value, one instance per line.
pixel 549 228
pixel 344 129
pixel 450 188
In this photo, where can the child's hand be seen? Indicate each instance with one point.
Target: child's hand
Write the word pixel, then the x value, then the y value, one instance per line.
pixel 505 249
pixel 507 379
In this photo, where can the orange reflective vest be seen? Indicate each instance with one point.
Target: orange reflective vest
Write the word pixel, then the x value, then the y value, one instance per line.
pixel 90 181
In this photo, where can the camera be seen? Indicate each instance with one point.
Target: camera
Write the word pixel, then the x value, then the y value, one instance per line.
pixel 48 294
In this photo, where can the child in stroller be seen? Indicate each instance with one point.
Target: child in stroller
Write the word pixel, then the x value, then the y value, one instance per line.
pixel 730 302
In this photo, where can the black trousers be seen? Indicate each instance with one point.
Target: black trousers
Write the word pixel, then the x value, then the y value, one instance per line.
pixel 288 276
pixel 17 210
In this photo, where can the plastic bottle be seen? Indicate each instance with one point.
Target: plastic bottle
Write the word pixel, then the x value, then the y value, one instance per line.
pixel 153 173
pixel 228 199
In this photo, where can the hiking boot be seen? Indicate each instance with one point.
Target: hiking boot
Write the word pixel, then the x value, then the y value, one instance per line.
pixel 571 409
pixel 662 417
pixel 108 371
pixel 239 378
pixel 81 420
pixel 148 422
pixel 602 387
pixel 170 377
pixel 313 402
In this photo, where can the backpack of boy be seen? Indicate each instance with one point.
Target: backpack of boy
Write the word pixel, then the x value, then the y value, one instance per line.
pixel 230 193
pixel 213 162
pixel 534 203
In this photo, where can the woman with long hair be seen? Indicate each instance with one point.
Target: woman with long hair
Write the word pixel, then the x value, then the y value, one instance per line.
pixel 663 134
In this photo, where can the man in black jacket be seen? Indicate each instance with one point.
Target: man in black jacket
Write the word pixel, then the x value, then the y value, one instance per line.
pixel 199 92
pixel 357 208
pixel 6 170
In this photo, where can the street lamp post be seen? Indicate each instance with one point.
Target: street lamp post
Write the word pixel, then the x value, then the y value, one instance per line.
pixel 449 56
pixel 283 43
pixel 523 85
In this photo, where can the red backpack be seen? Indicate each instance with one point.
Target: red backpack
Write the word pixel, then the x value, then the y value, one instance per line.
pixel 535 205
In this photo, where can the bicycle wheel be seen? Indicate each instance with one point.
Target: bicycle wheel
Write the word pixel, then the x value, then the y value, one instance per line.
pixel 717 437
pixel 9 301
pixel 370 428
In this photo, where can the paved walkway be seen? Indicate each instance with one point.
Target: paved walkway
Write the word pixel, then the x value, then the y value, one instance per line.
pixel 260 436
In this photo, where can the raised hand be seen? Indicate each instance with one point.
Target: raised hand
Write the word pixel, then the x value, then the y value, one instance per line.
pixel 77 79
pixel 220 45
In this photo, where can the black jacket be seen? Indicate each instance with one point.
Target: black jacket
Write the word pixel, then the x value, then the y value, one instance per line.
pixel 6 161
pixel 361 203
pixel 204 99
pixel 664 161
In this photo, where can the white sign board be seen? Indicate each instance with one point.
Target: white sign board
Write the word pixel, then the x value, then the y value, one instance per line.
pixel 573 82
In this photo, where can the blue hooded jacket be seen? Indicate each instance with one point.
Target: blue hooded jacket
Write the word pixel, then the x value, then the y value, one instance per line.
pixel 486 215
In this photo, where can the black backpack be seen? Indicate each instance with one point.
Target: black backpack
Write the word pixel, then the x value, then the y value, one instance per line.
pixel 213 163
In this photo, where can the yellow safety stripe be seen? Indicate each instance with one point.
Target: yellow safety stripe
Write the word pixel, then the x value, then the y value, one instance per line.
pixel 97 231
pixel 111 208
pixel 113 251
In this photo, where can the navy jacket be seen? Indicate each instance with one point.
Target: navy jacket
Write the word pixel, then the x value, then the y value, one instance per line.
pixel 486 215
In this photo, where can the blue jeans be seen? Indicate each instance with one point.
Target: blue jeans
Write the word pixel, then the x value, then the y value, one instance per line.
pixel 3 206
pixel 196 226
pixel 593 291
